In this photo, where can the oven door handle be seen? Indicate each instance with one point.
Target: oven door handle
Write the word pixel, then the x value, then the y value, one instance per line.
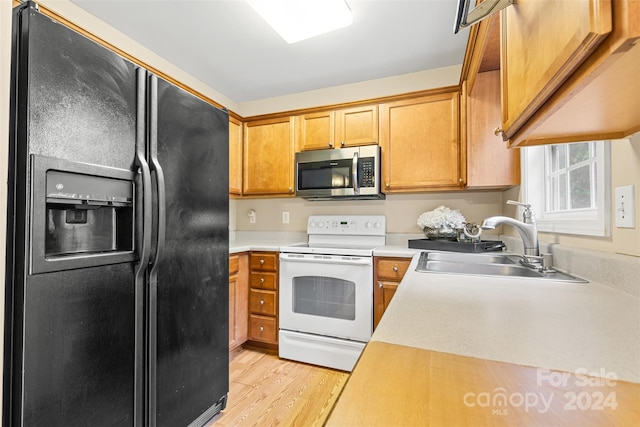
pixel 326 260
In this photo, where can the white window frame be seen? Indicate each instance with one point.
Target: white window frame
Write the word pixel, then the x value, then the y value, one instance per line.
pixel 588 222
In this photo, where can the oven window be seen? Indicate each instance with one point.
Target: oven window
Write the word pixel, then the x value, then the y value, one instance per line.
pixel 325 297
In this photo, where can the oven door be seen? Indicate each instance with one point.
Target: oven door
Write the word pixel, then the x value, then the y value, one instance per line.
pixel 330 295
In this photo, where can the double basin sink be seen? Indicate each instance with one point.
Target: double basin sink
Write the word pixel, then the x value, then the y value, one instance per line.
pixel 486 264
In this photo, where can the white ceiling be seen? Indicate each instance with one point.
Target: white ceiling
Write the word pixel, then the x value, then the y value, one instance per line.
pixel 226 45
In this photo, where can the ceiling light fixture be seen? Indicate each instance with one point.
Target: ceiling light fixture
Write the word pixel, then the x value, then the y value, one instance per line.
pixel 297 20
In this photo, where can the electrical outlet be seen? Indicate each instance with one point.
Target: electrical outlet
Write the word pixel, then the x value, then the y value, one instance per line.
pixel 252 216
pixel 285 217
pixel 625 207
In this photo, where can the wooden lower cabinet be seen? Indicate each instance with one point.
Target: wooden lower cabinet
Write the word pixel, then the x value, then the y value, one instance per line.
pixel 263 299
pixel 387 275
pixel 238 300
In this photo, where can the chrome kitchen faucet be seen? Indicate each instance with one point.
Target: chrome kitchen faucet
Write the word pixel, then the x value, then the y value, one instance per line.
pixel 529 233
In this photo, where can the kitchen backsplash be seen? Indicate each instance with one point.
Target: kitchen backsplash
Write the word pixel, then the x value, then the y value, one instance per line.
pixel 401 211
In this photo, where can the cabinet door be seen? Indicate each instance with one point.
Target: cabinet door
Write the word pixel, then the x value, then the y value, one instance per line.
pixel 388 272
pixel 543 42
pixel 268 157
pixel 315 131
pixel 420 143
pixel 238 300
pixel 490 163
pixel 357 126
pixel 235 156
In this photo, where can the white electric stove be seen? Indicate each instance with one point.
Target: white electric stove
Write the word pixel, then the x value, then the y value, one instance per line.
pixel 326 290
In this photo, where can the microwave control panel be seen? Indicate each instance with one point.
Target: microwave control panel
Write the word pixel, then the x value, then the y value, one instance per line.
pixel 366 172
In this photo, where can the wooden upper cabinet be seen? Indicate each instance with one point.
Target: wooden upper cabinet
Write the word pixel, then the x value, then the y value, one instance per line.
pixel 268 157
pixel 491 164
pixel 337 128
pixel 357 126
pixel 543 43
pixel 420 143
pixel 315 131
pixel 599 100
pixel 235 156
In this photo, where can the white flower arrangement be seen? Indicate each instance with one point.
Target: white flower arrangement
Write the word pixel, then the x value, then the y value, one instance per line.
pixel 441 217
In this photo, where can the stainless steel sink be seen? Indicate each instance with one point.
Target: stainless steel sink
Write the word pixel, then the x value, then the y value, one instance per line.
pixel 501 265
pixel 486 258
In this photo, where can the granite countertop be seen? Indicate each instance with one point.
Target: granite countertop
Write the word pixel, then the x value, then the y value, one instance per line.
pixel 546 324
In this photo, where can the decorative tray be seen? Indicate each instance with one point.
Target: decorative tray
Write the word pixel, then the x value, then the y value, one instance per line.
pixel 449 245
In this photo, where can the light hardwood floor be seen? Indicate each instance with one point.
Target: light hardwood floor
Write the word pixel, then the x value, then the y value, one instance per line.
pixel 265 390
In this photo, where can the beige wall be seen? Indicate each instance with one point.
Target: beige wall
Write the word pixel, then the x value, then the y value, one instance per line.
pixel 406 83
pixel 401 211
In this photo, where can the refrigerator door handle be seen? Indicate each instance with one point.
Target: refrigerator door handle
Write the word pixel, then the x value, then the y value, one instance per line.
pixel 157 168
pixel 152 326
pixel 143 225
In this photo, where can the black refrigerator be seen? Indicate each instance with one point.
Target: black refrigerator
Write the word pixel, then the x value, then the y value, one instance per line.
pixel 117 243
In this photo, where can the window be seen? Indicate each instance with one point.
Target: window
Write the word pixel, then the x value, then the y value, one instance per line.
pixel 568 187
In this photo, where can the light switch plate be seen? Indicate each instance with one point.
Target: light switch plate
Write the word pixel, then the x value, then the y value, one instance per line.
pixel 625 207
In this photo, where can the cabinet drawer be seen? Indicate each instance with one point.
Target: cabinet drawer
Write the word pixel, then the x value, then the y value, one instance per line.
pixel 265 280
pixel 263 329
pixel 392 268
pixel 233 264
pixel 262 302
pixel 264 261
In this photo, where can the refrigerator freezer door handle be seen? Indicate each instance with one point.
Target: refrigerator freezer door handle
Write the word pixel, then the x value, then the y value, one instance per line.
pixel 143 234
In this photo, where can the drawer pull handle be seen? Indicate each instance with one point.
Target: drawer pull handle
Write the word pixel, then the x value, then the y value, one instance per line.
pixel 380 285
pixel 395 268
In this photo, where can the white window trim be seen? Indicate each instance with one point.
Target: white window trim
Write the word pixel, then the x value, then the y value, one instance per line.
pixel 588 222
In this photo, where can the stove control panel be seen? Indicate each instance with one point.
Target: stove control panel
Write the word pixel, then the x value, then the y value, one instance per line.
pixel 360 225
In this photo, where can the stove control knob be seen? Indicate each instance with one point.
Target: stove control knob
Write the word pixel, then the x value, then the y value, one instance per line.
pixel 312 224
pixel 367 224
pixel 321 224
pixel 377 224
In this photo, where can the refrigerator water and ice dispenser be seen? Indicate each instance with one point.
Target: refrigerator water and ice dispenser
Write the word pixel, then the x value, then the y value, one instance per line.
pixel 87 214
pixel 83 215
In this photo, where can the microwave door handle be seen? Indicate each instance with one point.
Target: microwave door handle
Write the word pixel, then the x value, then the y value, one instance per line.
pixel 354 173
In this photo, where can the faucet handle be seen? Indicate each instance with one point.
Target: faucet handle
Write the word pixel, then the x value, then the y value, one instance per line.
pixel 513 202
pixel 527 215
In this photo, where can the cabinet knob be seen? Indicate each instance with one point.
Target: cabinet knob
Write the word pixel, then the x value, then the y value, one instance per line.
pixel 261 328
pixel 395 268
pixel 262 280
pixel 498 131
pixel 386 185
pixel 342 143
pixel 261 261
pixel 461 181
pixel 261 302
pixel 331 144
pixel 380 285
pixel 290 190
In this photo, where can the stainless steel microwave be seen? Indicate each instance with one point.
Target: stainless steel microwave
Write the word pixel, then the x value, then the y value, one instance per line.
pixel 342 173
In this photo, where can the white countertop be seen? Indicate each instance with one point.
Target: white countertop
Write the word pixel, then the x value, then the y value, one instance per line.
pixel 547 324
pixel 245 245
